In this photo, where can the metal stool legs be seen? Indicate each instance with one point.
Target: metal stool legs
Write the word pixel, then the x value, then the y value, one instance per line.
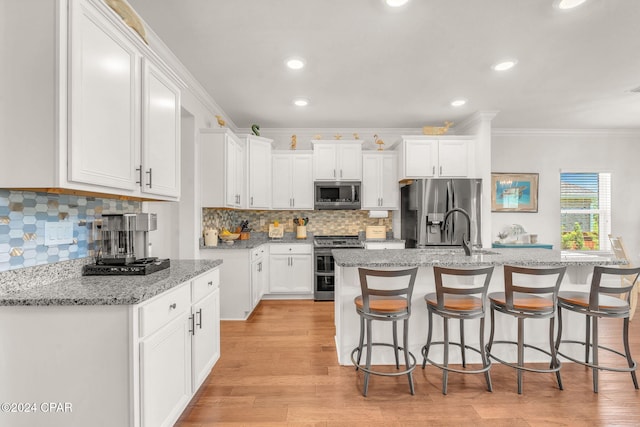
pixel 486 364
pixel 409 359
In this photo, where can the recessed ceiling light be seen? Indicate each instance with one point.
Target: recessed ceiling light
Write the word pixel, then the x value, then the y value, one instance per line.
pixel 301 102
pixel 295 63
pixel 567 4
pixel 505 65
pixel 396 3
pixel 458 102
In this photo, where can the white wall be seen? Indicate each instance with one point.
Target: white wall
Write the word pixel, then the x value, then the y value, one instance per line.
pixel 549 152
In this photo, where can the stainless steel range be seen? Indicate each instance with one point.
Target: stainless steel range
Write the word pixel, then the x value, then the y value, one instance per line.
pixel 325 269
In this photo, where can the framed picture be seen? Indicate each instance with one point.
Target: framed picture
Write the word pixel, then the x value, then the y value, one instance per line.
pixel 514 192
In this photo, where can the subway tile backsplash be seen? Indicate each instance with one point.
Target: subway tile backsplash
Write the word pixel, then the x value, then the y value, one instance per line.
pixel 339 222
pixel 23 215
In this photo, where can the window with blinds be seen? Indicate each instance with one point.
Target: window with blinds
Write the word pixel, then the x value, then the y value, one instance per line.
pixel 585 210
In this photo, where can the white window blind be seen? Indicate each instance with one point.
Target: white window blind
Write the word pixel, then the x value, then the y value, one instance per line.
pixel 585 210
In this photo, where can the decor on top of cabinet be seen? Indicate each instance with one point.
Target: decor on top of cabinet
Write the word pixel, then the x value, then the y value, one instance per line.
pixel 356 136
pixel 436 130
pixel 294 142
pixel 255 129
pixel 379 142
pixel 129 16
pixel 221 121
pixel 514 192
pixel 317 137
pixel 337 136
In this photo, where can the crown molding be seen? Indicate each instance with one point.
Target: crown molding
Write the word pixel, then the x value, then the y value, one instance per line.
pixel 565 132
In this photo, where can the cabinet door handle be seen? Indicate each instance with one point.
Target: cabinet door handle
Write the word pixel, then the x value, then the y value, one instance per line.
pixel 381 201
pixel 434 170
pixel 251 200
pixel 199 323
pixel 173 306
pixel 139 170
pixel 150 172
pixel 334 173
pixel 192 328
pixel 340 173
pixel 290 202
pixel 440 170
pixel 293 204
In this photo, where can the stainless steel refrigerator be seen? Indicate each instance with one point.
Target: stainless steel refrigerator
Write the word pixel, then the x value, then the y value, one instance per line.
pixel 425 203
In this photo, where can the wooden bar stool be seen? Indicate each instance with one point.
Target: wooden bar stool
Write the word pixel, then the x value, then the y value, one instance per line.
pixel 389 303
pixel 458 301
pixel 535 301
pixel 601 301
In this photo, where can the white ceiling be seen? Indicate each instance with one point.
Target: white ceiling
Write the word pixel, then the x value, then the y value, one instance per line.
pixel 369 66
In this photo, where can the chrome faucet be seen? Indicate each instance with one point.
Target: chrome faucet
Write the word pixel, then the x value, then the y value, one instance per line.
pixel 466 238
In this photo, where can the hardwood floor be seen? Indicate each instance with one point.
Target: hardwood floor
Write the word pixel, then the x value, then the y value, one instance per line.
pixel 280 368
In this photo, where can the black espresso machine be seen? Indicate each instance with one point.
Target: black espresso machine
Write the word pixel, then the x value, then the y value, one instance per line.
pixel 117 237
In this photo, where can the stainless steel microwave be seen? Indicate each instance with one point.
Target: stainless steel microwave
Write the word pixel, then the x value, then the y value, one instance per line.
pixel 337 195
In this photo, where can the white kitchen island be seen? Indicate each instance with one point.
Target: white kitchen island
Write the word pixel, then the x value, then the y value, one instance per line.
pixel 347 287
pixel 123 351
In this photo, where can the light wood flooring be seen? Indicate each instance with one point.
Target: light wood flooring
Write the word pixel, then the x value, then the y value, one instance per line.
pixel 280 368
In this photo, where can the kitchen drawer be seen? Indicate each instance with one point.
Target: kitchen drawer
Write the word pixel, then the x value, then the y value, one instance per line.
pixel 257 253
pixel 284 249
pixel 165 308
pixel 205 284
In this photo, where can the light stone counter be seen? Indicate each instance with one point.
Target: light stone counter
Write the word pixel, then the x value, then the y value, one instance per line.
pixel 258 239
pixel 73 289
pixel 347 287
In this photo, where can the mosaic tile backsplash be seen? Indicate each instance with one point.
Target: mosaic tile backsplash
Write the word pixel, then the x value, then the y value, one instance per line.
pixel 23 215
pixel 339 222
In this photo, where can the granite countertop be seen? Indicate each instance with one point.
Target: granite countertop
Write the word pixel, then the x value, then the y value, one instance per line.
pixel 258 239
pixel 107 290
pixel 456 257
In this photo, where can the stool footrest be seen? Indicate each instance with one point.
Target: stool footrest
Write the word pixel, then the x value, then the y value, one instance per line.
pixel 591 365
pixel 450 369
pixel 523 368
pixel 363 368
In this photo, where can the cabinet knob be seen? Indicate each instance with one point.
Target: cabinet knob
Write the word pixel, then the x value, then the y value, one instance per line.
pixel 173 306
pixel 210 283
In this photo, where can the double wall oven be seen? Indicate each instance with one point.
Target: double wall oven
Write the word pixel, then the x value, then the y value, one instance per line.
pixel 324 271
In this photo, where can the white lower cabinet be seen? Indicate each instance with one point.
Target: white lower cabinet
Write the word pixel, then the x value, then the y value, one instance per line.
pixel 176 356
pixel 239 285
pixel 165 373
pixel 116 365
pixel 291 269
pixel 205 342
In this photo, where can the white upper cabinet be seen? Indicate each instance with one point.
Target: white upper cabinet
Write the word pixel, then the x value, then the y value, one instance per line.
pixel 259 150
pixel 429 157
pixel 292 185
pixel 104 95
pixel 160 133
pixel 337 160
pixel 222 168
pixel 108 114
pixel 380 189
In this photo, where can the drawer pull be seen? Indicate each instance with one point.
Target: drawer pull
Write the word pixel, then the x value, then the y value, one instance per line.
pixel 173 306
